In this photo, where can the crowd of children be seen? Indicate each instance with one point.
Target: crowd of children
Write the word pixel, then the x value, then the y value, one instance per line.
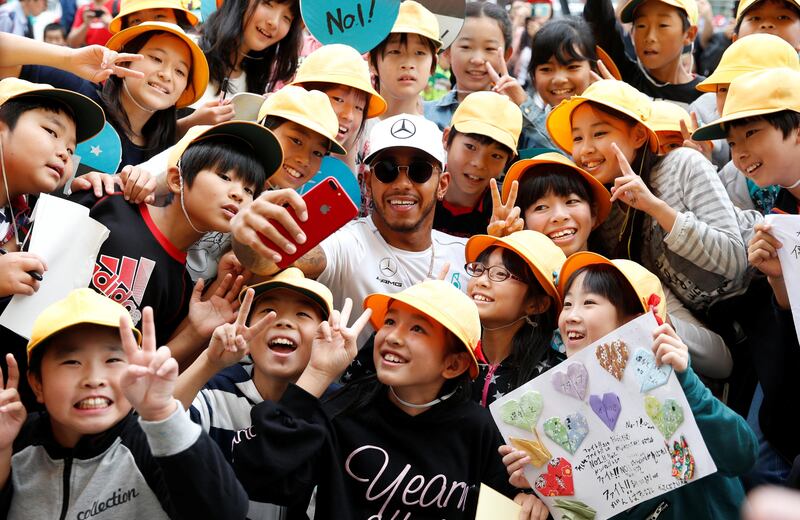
pixel 556 192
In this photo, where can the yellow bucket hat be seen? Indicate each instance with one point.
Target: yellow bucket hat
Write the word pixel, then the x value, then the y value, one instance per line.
pixel 342 65
pixel 539 252
pixel 646 285
pixel 490 114
pixel 265 145
pixel 414 18
pixel 441 302
pixel 128 7
pixel 687 6
pixel 199 80
pixel 755 94
pixel 744 5
pixel 309 108
pixel 748 54
pixel 89 117
pixel 611 93
pixel 294 279
pixel 81 306
pixel 518 170
pixel 666 117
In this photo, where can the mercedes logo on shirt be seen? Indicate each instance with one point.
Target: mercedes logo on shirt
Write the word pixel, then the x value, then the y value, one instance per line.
pixel 403 129
pixel 388 266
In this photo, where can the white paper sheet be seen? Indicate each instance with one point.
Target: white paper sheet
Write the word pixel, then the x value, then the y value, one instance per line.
pixel 786 228
pixel 611 470
pixel 493 505
pixel 68 240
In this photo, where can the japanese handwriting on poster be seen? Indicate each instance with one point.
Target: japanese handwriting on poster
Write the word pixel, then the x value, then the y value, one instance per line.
pixel 786 228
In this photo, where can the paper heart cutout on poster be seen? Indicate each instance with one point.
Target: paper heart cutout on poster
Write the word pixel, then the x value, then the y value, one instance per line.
pixel 557 480
pixel 607 408
pixel 569 433
pixel 535 449
pixel 523 413
pixel 573 381
pixel 649 375
pixel 682 460
pixel 667 416
pixel 613 357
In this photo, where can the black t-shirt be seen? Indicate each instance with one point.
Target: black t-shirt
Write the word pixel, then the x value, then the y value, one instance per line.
pixel 462 222
pixel 137 266
pixel 131 154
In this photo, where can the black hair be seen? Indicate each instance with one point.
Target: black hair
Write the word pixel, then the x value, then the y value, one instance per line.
pixel 787 121
pixel 380 50
pixel 569 39
pixel 684 16
pixel 497 13
pixel 786 4
pixel 608 282
pixel 223 153
pixel 557 179
pixel 54 27
pixel 531 344
pixel 272 122
pixel 222 36
pixel 159 130
pixel 37 354
pixel 12 110
pixel 180 19
pixel 482 139
pixel 325 86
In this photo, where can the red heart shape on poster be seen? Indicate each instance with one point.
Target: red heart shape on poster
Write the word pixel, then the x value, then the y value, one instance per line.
pixel 557 481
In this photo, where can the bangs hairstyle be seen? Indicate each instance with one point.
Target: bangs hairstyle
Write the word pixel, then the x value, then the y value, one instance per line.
pixel 531 344
pixel 787 121
pixel 782 3
pixel 159 131
pixel 606 281
pixel 495 12
pixel 557 179
pixel 685 23
pixel 223 154
pixel 482 139
pixel 324 87
pixel 222 36
pixel 180 19
pixel 12 110
pixel 567 39
pixel 402 40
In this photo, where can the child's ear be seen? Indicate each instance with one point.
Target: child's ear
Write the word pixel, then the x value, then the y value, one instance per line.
pixel 538 306
pixel 174 179
pixel 690 35
pixel 444 182
pixel 36 386
pixel 372 69
pixel 456 364
pixel 639 135
pixel 445 135
pixel 507 54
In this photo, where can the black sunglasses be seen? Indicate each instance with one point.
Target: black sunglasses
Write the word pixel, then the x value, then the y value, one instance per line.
pixel 418 171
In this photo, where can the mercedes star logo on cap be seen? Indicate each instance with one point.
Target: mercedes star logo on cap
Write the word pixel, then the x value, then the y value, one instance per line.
pixel 403 129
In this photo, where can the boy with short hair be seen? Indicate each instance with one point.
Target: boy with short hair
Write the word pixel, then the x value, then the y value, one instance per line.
pixel 481 141
pixel 213 173
pixel 54 33
pixel 89 455
pixel 661 32
pixel 778 17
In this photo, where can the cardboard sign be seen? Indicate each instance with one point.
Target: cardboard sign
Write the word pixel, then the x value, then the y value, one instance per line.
pixel 361 24
pixel 332 167
pixel 606 429
pixel 450 14
pixel 786 228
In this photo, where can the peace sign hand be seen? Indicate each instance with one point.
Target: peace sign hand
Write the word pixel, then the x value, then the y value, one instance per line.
pixel 630 188
pixel 230 341
pixel 704 147
pixel 504 83
pixel 604 72
pixel 12 412
pixel 505 218
pixel 149 380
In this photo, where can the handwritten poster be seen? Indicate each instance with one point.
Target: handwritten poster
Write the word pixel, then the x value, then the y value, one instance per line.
pixel 361 24
pixel 606 429
pixel 786 228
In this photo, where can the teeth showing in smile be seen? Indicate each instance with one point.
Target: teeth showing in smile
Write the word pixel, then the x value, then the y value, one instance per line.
pixel 91 403
pixel 591 165
pixel 391 358
pixel 561 234
pixel 343 130
pixel 402 202
pixel 574 336
pixel 266 35
pixel 482 298
pixel 158 87
pixel 561 91
pixel 291 171
pixel 473 177
pixel 753 167
pixel 282 345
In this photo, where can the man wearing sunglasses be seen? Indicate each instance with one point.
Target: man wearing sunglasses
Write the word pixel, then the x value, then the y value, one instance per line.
pixel 392 249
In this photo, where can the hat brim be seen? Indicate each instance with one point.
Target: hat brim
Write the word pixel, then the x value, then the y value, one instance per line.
pixel 477 244
pixel 603 56
pixel 379 303
pixel 294 117
pixel 601 196
pixel 199 81
pixel 626 15
pixel 559 122
pixel 299 287
pixel 377 105
pixel 266 146
pixel 485 129
pixel 88 115
pixel 410 29
pixel 116 23
pixel 716 129
pixel 31 346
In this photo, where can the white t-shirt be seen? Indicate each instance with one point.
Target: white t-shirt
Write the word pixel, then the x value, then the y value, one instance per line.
pixel 360 262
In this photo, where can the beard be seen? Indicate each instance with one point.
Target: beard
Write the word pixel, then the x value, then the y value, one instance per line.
pixel 404 227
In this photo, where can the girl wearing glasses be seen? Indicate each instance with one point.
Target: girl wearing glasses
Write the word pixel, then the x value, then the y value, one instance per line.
pixel 512 284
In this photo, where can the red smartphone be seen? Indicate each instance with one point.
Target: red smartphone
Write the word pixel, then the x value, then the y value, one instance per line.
pixel 329 208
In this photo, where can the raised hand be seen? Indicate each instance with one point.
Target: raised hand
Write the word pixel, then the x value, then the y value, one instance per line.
pixel 514 461
pixel 219 308
pixel 149 379
pixel 604 72
pixel 505 83
pixel 669 349
pixel 12 412
pixel 505 218
pixel 96 63
pixel 704 147
pixel 762 251
pixel 229 343
pixel 630 188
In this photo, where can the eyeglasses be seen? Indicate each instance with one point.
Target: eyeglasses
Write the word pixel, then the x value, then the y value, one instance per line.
pixel 418 171
pixel 497 273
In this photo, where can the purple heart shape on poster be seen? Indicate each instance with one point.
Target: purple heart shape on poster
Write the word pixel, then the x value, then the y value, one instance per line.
pixel 607 409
